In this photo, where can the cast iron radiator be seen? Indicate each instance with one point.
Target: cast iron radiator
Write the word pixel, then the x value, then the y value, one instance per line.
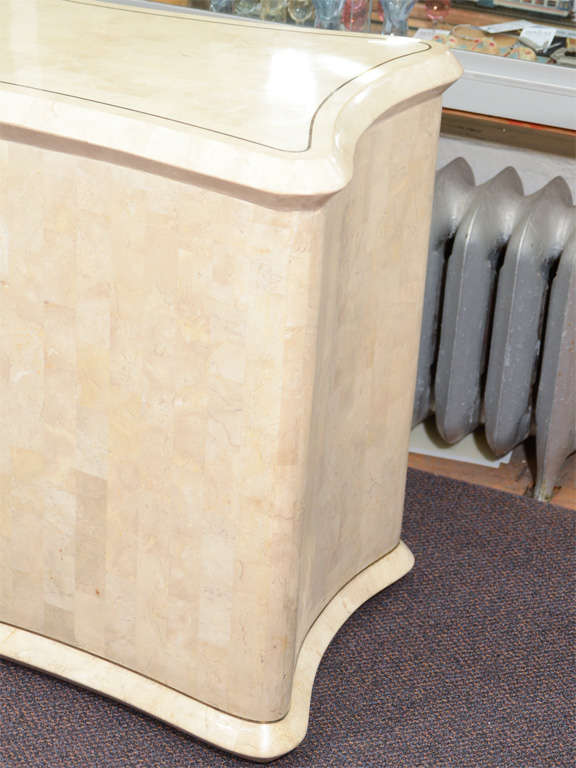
pixel 499 322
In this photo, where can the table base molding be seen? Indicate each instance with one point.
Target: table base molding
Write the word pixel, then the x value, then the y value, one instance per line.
pixel 259 741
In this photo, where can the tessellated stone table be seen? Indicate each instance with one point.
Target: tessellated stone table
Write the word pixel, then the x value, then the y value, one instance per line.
pixel 212 247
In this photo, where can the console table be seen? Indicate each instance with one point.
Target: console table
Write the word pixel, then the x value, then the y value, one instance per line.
pixel 212 245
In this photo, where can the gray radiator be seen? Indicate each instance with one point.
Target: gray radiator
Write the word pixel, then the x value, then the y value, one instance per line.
pixel 498 343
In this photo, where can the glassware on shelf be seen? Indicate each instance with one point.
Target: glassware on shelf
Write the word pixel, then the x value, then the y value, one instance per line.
pixel 250 8
pixel 356 15
pixel 396 14
pixel 437 10
pixel 328 13
pixel 222 6
pixel 300 11
pixel 274 10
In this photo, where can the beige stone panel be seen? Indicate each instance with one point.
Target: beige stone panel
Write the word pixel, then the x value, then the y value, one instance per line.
pixel 59 275
pixel 190 433
pixel 90 534
pixel 60 368
pixel 232 469
pixel 6 573
pixel 94 374
pixel 21 190
pixel 207 374
pixel 181 621
pixel 93 440
pixel 267 621
pixel 26 509
pixel 367 348
pixel 59 447
pixel 28 606
pixel 188 480
pixel 4 248
pixel 90 622
pixel 211 664
pixel 21 335
pixel 59 623
pixel 215 603
pixel 260 741
pixel 5 424
pixel 126 504
pixel 58 538
pixel 5 515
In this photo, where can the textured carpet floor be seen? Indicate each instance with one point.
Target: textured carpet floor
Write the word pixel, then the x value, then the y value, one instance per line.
pixel 465 663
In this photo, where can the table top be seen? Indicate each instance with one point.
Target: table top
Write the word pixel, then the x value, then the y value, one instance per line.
pixel 147 81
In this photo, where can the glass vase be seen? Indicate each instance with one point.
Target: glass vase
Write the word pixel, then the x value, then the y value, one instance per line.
pixel 301 11
pixel 356 15
pixel 274 10
pixel 437 10
pixel 328 13
pixel 222 6
pixel 249 8
pixel 396 14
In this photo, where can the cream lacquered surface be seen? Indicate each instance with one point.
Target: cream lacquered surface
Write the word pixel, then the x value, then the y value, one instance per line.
pixel 177 88
pixel 265 86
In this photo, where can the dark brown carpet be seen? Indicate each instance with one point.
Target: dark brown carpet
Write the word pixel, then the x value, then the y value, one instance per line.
pixel 465 663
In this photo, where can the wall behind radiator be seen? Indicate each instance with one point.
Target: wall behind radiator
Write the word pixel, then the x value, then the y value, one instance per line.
pixel 487 159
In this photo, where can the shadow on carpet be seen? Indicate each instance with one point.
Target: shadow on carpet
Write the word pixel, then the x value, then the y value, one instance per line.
pixel 467 662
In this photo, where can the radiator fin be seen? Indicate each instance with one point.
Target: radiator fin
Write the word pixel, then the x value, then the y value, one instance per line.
pixel 498 320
